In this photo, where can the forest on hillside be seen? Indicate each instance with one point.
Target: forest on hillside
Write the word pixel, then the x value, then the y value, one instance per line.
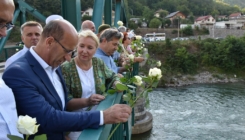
pixel 240 3
pixel 145 8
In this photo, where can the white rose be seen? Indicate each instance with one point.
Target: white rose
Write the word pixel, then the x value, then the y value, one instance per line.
pixel 120 23
pixel 159 63
pixel 138 81
pixel 131 57
pixel 145 49
pixel 27 125
pixel 155 72
pixel 138 37
pixel 16 50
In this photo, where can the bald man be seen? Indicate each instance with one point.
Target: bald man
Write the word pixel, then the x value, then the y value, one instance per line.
pixel 8 114
pixel 40 90
pixel 88 25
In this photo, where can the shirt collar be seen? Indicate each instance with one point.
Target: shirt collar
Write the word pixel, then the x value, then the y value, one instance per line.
pixel 40 60
pixel 100 51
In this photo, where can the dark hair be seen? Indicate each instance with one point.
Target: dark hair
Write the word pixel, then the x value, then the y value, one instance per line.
pixel 54 29
pixel 110 34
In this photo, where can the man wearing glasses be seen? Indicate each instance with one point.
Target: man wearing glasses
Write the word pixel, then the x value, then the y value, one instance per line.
pixel 8 114
pixel 40 90
pixel 30 35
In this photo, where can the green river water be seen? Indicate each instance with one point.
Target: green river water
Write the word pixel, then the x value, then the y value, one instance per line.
pixel 197 112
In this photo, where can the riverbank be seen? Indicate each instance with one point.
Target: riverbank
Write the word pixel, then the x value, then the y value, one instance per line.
pixel 202 78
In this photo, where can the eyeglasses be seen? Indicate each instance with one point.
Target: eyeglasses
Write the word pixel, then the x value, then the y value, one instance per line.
pixel 8 26
pixel 66 50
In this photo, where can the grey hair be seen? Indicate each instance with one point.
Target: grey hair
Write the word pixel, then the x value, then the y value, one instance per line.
pixel 122 29
pixel 30 24
pixel 89 33
pixel 110 34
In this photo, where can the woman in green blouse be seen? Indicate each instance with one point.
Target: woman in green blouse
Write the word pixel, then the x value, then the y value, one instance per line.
pixel 84 76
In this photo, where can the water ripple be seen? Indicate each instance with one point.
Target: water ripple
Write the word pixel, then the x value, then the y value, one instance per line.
pixel 197 112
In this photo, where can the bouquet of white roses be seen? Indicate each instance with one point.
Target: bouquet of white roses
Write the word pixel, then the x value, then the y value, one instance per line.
pixel 151 81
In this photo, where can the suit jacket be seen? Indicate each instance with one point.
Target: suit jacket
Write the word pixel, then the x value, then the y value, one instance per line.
pixel 36 96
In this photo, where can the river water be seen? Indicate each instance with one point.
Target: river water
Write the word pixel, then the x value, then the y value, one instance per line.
pixel 197 112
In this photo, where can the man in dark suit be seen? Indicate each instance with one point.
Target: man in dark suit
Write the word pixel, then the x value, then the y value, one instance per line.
pixel 40 91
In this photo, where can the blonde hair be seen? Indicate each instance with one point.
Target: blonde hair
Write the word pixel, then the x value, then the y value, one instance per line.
pixel 89 33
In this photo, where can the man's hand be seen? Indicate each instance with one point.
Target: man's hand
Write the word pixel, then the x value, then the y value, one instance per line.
pixel 117 113
pixel 95 99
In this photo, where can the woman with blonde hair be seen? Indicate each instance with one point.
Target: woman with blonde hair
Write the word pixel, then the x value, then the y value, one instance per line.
pixel 84 75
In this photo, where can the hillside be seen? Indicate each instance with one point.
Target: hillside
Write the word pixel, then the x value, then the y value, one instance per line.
pixel 240 3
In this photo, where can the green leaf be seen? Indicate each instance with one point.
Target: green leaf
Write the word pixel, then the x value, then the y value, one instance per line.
pixel 102 87
pixel 147 103
pixel 123 80
pixel 149 90
pixel 131 103
pixel 111 91
pixel 154 85
pixel 12 137
pixel 126 98
pixel 40 137
pixel 129 95
pixel 146 79
pixel 145 94
pixel 121 87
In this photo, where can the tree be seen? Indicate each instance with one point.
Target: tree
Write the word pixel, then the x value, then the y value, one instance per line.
pixel 132 25
pixel 155 23
pixel 166 22
pixel 182 8
pixel 163 13
pixel 86 17
pixel 188 30
pixel 147 13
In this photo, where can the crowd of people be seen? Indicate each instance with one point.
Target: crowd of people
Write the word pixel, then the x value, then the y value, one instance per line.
pixel 56 77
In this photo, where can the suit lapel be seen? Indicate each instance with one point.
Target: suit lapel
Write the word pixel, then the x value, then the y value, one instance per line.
pixel 40 72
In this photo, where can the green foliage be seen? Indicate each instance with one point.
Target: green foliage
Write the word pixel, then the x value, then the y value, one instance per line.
pixel 132 25
pixel 166 22
pixel 174 31
pixel 163 13
pixel 188 30
pixel 155 23
pixel 226 55
pixel 86 17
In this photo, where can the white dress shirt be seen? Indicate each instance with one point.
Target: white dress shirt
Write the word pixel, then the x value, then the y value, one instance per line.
pixel 53 77
pixel 16 56
pixel 8 114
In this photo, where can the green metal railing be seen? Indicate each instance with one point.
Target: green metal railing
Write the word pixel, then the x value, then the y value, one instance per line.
pixel 124 131
pixel 7 52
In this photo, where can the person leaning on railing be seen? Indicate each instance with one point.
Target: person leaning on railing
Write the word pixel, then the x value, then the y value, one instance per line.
pixel 84 75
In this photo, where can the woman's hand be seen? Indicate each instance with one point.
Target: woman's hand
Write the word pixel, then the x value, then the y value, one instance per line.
pixel 138 59
pixel 95 99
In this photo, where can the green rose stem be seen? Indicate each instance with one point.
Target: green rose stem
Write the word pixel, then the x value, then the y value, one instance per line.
pixel 27 136
pixel 132 105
